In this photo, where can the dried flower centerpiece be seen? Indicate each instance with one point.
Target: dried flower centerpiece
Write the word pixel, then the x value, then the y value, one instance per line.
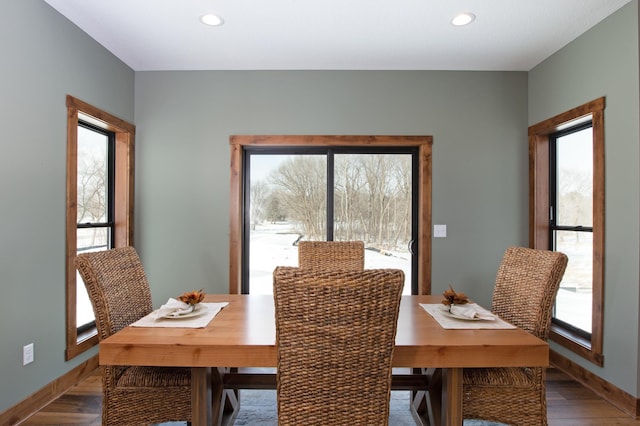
pixel 451 297
pixel 192 297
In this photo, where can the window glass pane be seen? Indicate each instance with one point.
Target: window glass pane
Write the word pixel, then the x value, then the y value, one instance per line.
pixel 373 204
pixel 84 310
pixel 574 207
pixel 575 179
pixel 288 203
pixel 92 176
pixel 92 190
pixel 88 239
pixel 574 299
pixel 93 239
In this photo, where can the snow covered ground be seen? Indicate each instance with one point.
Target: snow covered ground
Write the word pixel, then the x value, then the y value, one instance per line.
pixel 576 308
pixel 273 245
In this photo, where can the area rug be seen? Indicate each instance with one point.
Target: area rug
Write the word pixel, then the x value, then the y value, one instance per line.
pixel 258 408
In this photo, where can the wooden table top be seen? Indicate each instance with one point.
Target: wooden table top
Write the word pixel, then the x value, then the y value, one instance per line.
pixel 243 335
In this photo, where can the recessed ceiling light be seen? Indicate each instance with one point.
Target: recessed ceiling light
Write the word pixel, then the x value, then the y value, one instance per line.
pixel 211 19
pixel 464 18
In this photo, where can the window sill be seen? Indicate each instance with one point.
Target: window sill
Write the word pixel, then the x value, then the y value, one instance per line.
pixel 87 334
pixel 84 342
pixel 576 344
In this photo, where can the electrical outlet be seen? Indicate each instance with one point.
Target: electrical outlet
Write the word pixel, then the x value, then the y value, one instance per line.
pixel 440 231
pixel 27 354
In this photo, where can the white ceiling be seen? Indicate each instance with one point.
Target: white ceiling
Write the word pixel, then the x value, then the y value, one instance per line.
pixel 511 35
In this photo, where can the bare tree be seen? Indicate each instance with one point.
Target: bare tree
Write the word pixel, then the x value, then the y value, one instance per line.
pixel 92 192
pixel 401 175
pixel 376 171
pixel 259 195
pixel 301 183
pixel 275 211
pixel 349 187
pixel 372 197
pixel 575 200
pixel 575 197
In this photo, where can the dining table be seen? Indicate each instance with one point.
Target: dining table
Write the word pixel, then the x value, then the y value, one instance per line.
pixel 242 335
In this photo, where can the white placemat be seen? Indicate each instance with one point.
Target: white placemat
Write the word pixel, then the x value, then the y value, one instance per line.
pixel 198 321
pixel 439 313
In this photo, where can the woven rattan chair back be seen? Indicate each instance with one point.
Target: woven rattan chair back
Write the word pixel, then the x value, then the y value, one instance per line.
pixel 120 295
pixel 335 334
pixel 117 286
pixel 335 255
pixel 526 287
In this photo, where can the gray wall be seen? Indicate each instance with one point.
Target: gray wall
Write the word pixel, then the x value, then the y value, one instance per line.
pixel 184 120
pixel 604 62
pixel 44 58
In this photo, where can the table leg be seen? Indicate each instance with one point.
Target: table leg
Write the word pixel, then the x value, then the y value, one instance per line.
pixel 201 396
pixel 225 404
pixel 433 400
pixel 426 403
pixel 452 397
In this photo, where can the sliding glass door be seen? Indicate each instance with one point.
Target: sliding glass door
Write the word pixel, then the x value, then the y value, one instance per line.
pixel 328 193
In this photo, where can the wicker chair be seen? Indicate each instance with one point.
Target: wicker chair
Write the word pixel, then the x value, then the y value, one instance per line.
pixel 345 255
pixel 335 333
pixel 525 289
pixel 119 292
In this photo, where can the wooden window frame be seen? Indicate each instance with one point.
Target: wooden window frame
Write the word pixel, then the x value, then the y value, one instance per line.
pixel 238 142
pixel 539 217
pixel 123 200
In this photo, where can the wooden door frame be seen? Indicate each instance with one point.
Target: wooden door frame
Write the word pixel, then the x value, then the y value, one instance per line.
pixel 238 144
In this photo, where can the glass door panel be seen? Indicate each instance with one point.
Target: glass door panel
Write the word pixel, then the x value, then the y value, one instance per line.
pixel 288 202
pixel 372 203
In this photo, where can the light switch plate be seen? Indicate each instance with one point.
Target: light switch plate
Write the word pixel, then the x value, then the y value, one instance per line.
pixel 27 354
pixel 440 231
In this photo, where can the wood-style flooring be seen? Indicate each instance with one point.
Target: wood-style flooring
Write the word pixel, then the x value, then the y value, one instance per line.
pixel 569 404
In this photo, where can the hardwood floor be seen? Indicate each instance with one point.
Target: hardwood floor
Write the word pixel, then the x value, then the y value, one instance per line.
pixel 81 405
pixel 569 404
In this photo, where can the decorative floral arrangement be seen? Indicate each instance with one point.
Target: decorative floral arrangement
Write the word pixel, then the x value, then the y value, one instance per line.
pixel 192 297
pixel 453 298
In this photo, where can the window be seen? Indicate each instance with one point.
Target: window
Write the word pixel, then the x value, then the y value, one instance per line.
pixel 340 154
pixel 94 228
pixel 567 214
pixel 99 204
pixel 571 223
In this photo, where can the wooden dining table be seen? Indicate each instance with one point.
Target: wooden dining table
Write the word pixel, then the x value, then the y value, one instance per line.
pixel 243 335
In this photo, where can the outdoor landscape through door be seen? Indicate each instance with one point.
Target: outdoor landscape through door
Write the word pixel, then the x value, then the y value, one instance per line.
pixel 333 194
